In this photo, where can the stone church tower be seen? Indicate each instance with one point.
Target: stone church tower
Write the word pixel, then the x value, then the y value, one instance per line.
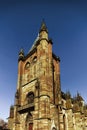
pixel 39 102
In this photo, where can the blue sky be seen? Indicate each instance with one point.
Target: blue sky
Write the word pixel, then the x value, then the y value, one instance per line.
pixel 20 21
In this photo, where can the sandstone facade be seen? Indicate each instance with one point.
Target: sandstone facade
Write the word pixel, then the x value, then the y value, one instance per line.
pixel 39 102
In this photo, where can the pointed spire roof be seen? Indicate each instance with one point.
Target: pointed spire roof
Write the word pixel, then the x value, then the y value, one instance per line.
pixel 43 27
pixel 34 44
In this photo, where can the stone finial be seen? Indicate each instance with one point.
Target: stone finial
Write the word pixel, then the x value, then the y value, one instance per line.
pixel 68 95
pixel 58 58
pixel 68 100
pixel 79 98
pixel 21 54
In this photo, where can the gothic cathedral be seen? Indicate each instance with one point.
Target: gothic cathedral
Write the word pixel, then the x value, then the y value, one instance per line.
pixel 39 102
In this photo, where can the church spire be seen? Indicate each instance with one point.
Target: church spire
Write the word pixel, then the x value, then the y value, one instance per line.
pixel 43 27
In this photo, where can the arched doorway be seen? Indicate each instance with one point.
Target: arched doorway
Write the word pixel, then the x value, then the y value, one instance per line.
pixel 29 122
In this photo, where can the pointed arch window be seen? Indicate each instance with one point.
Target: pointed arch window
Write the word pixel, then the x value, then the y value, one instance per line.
pixel 27 65
pixel 35 59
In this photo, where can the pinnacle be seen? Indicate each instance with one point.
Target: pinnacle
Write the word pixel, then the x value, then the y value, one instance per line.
pixel 43 27
pixel 21 51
